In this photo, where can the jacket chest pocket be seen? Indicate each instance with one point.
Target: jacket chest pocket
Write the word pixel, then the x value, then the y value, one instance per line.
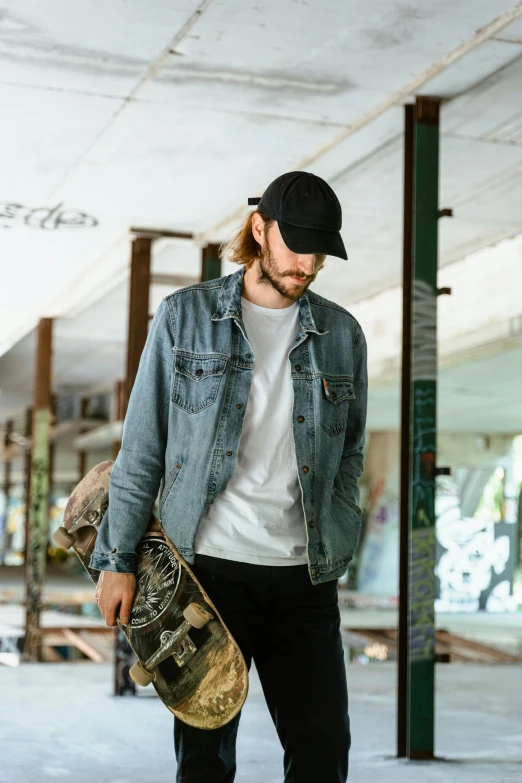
pixel 196 381
pixel 335 403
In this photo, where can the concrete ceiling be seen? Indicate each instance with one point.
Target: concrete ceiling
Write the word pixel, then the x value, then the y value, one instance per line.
pixel 169 115
pixel 480 396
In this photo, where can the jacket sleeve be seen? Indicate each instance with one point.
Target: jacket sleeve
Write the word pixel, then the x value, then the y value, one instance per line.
pixel 351 467
pixel 140 465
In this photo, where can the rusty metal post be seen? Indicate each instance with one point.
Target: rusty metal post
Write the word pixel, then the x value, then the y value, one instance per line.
pixel 138 308
pixel 52 460
pixel 210 263
pixel 136 337
pixel 7 487
pixel 82 455
pixel 39 493
pixel 121 403
pixel 28 435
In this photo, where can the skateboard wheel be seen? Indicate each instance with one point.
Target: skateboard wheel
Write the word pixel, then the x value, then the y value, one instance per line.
pixel 140 675
pixel 196 615
pixel 63 538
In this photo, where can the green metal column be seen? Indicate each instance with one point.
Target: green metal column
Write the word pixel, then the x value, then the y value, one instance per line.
pixel 421 626
pixel 405 469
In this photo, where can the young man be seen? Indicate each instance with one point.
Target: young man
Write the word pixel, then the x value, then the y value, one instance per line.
pixel 248 414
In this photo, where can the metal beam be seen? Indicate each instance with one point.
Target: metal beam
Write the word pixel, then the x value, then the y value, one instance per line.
pixel 121 397
pixel 27 464
pixel 7 488
pixel 157 233
pixel 136 337
pixel 210 263
pixel 421 625
pixel 138 308
pixel 39 494
pixel 82 455
pixel 405 455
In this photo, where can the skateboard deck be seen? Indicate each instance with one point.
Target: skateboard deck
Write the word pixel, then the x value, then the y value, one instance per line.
pixel 182 645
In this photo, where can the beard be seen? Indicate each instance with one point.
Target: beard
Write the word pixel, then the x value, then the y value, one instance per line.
pixel 269 275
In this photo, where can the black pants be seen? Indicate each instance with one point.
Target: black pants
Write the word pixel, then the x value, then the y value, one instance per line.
pixel 291 629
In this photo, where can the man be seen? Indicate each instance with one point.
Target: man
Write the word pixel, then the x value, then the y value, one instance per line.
pixel 249 413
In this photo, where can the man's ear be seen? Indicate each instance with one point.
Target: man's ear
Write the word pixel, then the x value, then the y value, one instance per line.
pixel 258 225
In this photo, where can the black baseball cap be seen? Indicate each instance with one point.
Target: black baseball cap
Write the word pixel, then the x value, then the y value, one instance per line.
pixel 307 211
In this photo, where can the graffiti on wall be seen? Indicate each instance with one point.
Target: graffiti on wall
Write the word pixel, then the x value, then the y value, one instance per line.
pixel 422 552
pixel 475 559
pixel 422 594
pixel 423 456
pixel 424 349
pixel 13 214
pixel 378 563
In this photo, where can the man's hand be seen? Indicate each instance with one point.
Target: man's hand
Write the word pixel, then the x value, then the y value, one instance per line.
pixel 115 590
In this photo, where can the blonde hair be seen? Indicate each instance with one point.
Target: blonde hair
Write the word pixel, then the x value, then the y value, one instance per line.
pixel 244 249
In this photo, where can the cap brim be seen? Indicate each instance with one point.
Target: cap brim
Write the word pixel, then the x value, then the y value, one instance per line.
pixel 311 240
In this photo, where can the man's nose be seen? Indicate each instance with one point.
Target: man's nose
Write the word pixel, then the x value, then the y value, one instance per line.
pixel 306 264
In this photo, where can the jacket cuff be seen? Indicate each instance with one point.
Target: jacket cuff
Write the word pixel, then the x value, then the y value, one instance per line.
pixel 121 562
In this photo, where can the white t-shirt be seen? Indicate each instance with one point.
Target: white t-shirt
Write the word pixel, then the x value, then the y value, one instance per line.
pixel 259 517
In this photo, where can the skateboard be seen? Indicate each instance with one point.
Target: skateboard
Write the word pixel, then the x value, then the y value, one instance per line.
pixel 182 645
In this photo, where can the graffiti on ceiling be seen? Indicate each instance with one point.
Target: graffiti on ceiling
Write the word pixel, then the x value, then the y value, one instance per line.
pixel 13 214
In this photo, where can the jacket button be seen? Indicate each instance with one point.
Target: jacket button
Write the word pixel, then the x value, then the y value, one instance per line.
pixel 311 523
pixel 248 355
pixel 305 469
pixel 298 367
pixel 178 464
pixel 229 453
pixel 239 405
pixel 317 574
pixel 199 372
pixel 300 419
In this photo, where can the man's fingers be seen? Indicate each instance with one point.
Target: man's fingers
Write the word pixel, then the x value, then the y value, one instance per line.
pixel 115 596
pixel 110 613
pixel 126 605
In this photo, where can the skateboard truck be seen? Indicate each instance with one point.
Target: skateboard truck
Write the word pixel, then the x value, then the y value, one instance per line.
pixel 176 643
pixel 89 516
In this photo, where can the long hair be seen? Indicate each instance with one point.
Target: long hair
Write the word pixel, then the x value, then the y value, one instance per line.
pixel 244 249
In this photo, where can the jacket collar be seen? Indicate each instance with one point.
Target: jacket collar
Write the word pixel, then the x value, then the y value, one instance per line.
pixel 229 303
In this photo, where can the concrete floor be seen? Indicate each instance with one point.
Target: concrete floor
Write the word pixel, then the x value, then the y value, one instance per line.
pixel 59 721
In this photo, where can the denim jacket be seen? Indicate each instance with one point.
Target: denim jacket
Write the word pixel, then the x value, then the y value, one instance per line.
pixel 183 424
